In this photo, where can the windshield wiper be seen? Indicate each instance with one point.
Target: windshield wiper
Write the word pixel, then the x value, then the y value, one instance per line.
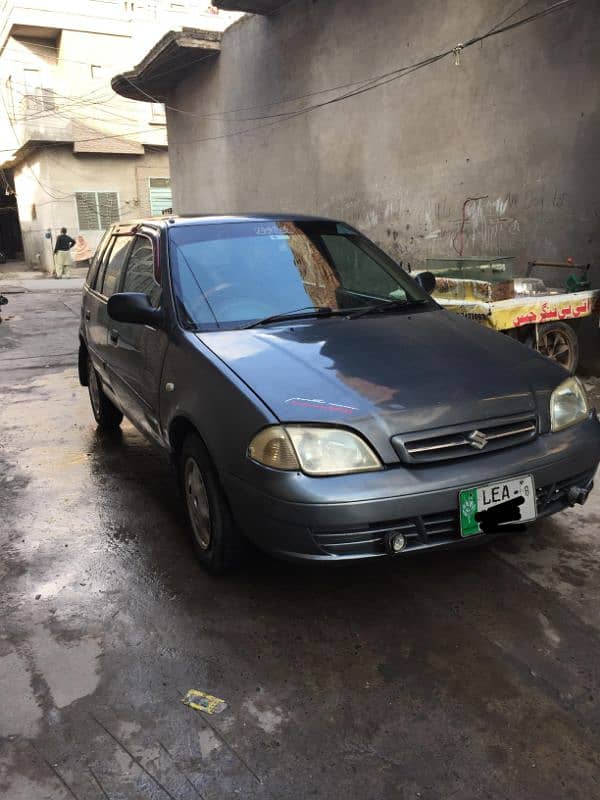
pixel 298 313
pixel 387 305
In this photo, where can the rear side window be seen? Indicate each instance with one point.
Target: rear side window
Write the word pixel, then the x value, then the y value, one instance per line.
pixel 96 259
pixel 140 271
pixel 114 267
pixel 99 276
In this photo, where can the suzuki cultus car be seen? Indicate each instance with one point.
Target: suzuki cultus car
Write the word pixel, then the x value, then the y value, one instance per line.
pixel 315 399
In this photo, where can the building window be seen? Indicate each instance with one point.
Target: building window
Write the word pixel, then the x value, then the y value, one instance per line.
pixel 158 114
pixel 35 96
pixel 96 210
pixel 98 71
pixel 161 200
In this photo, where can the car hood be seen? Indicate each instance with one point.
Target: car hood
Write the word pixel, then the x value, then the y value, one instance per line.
pixel 386 374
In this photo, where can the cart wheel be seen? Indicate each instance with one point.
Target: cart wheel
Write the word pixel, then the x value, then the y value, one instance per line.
pixel 558 341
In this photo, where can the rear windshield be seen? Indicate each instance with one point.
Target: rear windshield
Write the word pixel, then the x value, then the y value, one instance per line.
pixel 230 274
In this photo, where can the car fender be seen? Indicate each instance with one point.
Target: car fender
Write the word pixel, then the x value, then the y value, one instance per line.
pixel 197 387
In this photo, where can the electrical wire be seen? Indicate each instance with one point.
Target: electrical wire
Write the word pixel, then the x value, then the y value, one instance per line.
pixel 77 122
pixel 90 95
pixel 44 188
pixel 401 72
pixel 47 113
pixel 74 113
pixel 358 84
pixel 372 84
pixel 89 139
pixel 10 50
pixel 86 99
pixel 509 16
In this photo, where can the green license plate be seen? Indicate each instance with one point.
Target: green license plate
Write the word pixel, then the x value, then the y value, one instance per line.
pixel 510 502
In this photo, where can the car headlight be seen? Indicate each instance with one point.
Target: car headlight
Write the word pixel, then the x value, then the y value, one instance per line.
pixel 312 449
pixel 568 404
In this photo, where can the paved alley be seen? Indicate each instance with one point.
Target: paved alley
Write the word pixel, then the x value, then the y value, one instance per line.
pixel 472 674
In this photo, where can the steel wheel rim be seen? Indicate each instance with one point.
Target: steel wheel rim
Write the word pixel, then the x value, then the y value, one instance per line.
pixel 197 504
pixel 555 345
pixel 94 390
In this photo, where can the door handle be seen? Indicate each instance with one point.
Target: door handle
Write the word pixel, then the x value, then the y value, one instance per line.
pixel 114 336
pixel 88 315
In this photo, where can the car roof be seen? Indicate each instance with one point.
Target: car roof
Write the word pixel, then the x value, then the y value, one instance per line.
pixel 210 219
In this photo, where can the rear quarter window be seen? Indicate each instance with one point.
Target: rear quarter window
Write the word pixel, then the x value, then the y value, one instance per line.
pixel 115 263
pixel 97 259
pixel 140 275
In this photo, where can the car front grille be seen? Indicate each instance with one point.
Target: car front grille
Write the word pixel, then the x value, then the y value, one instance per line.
pixel 465 441
pixel 431 530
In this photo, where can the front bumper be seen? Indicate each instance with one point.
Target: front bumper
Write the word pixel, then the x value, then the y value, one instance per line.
pixel 291 517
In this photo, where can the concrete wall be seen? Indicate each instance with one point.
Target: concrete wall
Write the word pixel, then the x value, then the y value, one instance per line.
pixel 46 184
pixel 516 122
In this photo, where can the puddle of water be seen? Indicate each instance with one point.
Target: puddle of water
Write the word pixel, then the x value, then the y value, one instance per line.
pixel 268 719
pixel 70 669
pixel 19 710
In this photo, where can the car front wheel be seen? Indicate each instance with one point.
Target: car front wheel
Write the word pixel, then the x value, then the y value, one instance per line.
pixel 217 543
pixel 106 414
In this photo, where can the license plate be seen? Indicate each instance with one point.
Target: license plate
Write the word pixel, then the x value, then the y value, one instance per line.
pixel 484 508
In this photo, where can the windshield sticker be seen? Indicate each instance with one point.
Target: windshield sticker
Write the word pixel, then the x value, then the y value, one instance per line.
pixel 267 230
pixel 324 405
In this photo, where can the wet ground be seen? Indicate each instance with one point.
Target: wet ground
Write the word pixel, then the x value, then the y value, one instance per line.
pixel 461 675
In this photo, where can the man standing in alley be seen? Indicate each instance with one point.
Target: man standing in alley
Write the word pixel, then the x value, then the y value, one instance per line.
pixel 62 255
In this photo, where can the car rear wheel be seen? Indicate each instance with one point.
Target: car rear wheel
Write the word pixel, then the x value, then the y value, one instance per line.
pixel 106 414
pixel 217 543
pixel 558 341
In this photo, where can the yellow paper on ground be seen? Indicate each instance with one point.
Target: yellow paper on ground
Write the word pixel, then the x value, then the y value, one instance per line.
pixel 203 702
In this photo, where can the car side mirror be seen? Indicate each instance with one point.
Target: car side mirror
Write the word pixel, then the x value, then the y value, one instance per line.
pixel 134 307
pixel 426 281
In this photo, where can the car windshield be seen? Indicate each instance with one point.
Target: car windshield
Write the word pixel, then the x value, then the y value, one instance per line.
pixel 231 274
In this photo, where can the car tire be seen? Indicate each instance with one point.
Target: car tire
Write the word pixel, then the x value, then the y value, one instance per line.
pixel 107 415
pixel 217 543
pixel 558 341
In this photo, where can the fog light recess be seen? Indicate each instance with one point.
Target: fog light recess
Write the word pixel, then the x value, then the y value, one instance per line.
pixel 395 542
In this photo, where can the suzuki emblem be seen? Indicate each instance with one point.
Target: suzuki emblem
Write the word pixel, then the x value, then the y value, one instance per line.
pixel 478 440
